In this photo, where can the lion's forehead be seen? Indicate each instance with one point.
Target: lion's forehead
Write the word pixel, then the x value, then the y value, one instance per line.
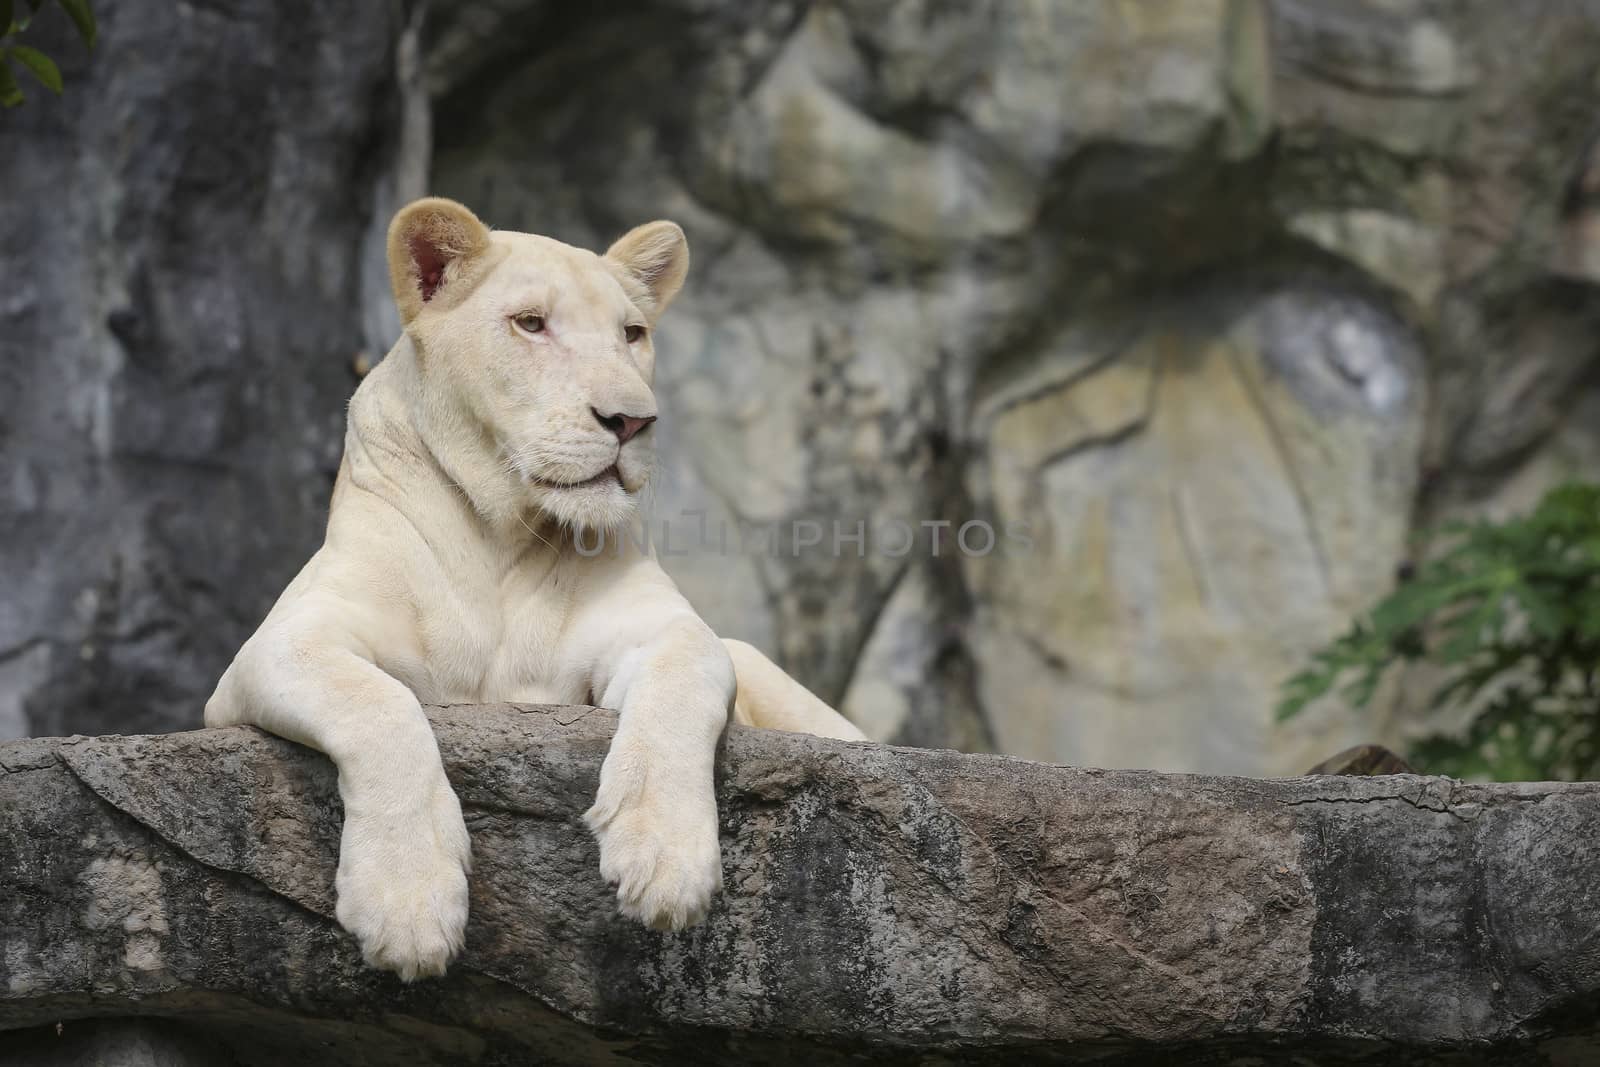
pixel 543 269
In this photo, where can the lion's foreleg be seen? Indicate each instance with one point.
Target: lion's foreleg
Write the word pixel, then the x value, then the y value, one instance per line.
pixel 655 813
pixel 404 851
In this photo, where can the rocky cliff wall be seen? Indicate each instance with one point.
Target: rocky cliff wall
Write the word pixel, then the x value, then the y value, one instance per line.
pixel 1220 301
pixel 188 240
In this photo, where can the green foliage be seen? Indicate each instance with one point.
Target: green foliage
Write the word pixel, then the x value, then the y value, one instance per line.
pixel 1511 613
pixel 36 63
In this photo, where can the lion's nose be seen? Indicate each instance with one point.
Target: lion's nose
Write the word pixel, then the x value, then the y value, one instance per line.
pixel 626 427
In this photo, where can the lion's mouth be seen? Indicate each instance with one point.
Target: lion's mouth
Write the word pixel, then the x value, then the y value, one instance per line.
pixel 607 476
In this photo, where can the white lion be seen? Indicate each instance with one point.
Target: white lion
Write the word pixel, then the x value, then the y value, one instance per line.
pixel 512 416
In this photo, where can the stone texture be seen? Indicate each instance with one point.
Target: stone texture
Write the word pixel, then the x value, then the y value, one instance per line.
pixel 1224 300
pixel 882 904
pixel 1219 300
pixel 188 248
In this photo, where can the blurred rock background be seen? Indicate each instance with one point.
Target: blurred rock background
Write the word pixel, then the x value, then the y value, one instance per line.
pixel 1222 301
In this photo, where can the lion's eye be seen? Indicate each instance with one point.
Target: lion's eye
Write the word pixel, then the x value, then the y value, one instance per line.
pixel 634 333
pixel 530 322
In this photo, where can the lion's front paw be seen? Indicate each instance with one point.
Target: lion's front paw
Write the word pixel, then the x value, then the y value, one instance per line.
pixel 402 886
pixel 659 851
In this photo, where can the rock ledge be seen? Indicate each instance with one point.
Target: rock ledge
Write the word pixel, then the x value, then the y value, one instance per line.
pixel 881 904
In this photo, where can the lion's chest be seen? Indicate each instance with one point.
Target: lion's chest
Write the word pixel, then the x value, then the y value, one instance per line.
pixel 498 638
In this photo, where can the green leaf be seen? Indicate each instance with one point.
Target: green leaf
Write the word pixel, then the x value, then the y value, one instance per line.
pixel 1589 621
pixel 1509 615
pixel 82 17
pixel 10 92
pixel 41 65
pixel 7 12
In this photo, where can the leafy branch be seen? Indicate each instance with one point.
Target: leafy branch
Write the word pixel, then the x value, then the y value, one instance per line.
pixel 40 66
pixel 1511 612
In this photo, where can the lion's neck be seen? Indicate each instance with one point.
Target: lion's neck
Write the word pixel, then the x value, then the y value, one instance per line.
pixel 427 453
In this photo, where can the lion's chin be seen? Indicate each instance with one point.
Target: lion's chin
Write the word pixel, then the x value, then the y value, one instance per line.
pixel 601 507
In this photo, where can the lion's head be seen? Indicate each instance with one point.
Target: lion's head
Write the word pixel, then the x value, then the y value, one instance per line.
pixel 542 348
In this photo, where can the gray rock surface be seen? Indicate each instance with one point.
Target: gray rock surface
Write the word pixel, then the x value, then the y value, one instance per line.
pixel 882 905
pixel 187 242
pixel 1220 300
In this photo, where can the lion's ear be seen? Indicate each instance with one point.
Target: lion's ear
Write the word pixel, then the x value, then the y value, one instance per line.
pixel 656 256
pixel 431 241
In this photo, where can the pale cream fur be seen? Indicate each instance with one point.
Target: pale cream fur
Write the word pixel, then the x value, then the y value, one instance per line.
pixel 450 574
